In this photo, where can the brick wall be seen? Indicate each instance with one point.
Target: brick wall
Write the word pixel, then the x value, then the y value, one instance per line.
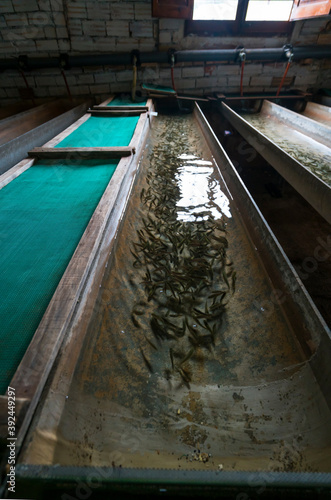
pixel 49 27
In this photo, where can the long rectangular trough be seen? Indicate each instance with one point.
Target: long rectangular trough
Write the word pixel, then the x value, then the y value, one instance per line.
pixel 34 132
pixel 194 361
pixel 291 144
pixel 55 232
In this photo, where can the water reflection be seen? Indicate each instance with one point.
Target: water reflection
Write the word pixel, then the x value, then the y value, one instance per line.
pixel 200 193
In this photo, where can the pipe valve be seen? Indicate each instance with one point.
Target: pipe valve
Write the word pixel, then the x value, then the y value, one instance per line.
pixel 242 55
pixel 171 57
pixel 288 51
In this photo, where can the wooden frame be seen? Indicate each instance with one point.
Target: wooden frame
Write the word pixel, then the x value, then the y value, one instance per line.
pixel 15 171
pixel 83 153
pixel 80 279
pixel 306 9
pixel 116 112
pixel 107 101
pixel 180 9
pixel 231 28
pixel 120 108
pixel 62 135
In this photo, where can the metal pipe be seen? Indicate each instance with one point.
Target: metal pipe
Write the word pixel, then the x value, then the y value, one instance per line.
pixel 206 55
pixel 230 55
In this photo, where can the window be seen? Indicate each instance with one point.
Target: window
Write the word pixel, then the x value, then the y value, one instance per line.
pixel 305 9
pixel 269 10
pixel 244 17
pixel 214 10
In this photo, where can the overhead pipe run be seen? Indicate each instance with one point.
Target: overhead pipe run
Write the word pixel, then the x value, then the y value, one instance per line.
pixel 231 55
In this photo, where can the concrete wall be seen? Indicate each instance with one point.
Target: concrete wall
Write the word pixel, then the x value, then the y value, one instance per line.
pixel 49 27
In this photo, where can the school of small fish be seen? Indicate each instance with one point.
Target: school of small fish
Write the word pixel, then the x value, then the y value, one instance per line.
pixel 183 266
pixel 319 164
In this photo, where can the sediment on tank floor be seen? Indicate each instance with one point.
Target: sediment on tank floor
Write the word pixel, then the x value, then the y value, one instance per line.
pixel 189 360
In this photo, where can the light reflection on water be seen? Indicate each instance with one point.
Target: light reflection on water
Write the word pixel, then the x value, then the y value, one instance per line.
pixel 201 194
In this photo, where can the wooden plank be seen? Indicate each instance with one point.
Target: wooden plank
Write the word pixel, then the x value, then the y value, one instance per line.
pixel 252 97
pixel 135 141
pixel 83 153
pixel 309 9
pixel 120 108
pixel 191 98
pixel 179 9
pixel 107 101
pixel 14 172
pixel 162 96
pixel 149 104
pixel 53 142
pixel 110 113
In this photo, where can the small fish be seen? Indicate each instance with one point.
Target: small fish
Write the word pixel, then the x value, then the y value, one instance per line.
pixel 171 352
pixel 185 377
pixel 147 363
pixel 158 329
pixel 217 305
pixel 217 293
pixel 221 239
pixel 150 343
pixel 188 355
pixel 234 278
pixel 151 293
pixel 225 278
pixel 135 255
pixel 135 322
pixel 201 314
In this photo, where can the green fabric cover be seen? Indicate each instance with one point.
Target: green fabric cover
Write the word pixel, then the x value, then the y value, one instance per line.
pixel 43 214
pixel 158 88
pixel 126 101
pixel 101 132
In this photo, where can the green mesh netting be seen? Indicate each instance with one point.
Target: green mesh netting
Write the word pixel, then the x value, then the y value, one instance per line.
pixel 158 88
pixel 101 132
pixel 43 214
pixel 126 101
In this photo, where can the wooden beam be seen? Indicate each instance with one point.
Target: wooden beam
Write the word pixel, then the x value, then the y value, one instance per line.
pixel 110 113
pixel 15 171
pixel 62 135
pixel 162 96
pixel 84 153
pixel 120 108
pixel 298 94
pixel 107 101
